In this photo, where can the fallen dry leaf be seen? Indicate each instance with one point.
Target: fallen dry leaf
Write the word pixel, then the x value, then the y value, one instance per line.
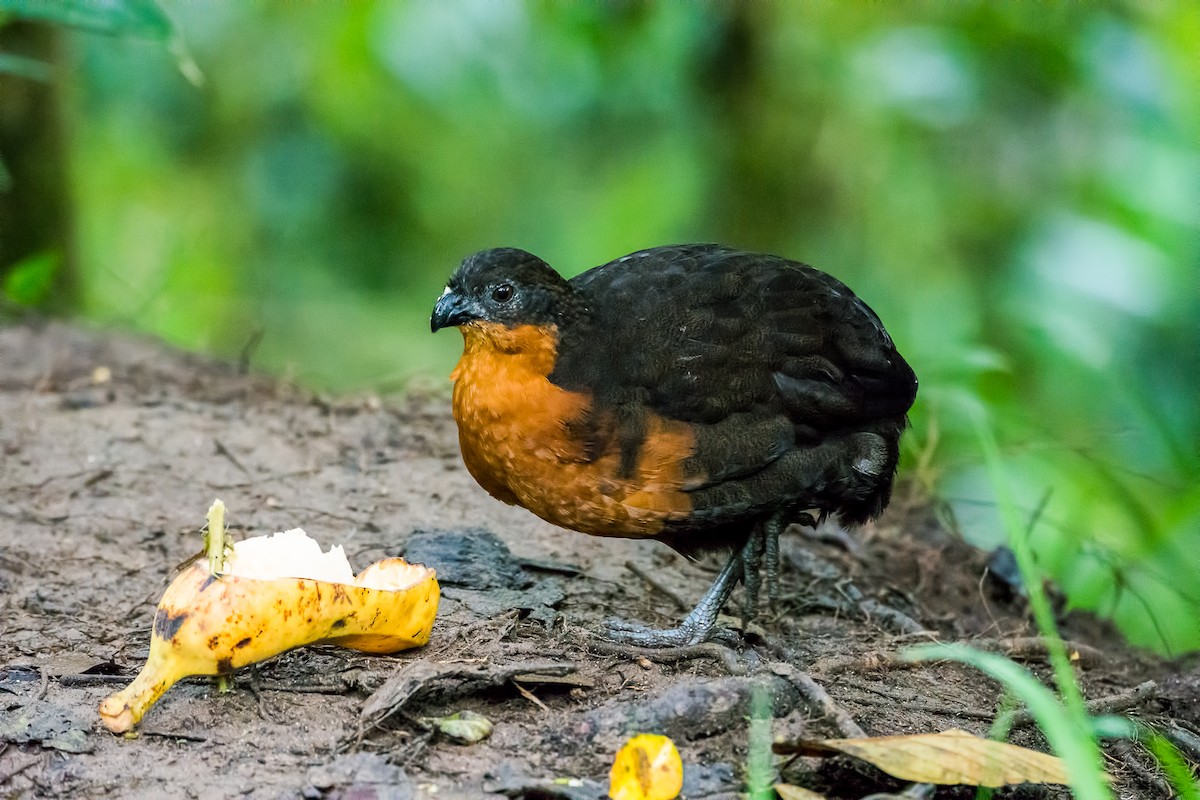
pixel 951 757
pixel 648 767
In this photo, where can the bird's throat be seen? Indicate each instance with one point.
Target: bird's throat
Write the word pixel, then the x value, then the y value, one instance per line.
pixel 508 412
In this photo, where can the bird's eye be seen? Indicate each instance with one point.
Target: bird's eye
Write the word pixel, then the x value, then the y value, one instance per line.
pixel 502 293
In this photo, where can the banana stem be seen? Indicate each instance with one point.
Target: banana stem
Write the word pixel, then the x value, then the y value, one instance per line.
pixel 216 541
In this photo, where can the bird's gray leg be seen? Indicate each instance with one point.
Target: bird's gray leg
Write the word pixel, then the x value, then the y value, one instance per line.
pixel 761 549
pixel 771 531
pixel 697 626
pixel 751 576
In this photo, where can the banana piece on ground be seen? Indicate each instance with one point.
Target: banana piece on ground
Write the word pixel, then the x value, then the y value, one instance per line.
pixel 275 593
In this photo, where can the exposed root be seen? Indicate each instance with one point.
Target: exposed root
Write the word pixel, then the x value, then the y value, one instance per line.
pixel 818 698
pixel 1111 704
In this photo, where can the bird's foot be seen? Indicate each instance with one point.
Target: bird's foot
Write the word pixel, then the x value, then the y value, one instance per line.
pixel 688 633
pixel 760 550
pixel 698 626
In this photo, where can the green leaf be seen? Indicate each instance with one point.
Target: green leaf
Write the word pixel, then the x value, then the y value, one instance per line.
pixel 143 18
pixel 29 281
pixel 134 17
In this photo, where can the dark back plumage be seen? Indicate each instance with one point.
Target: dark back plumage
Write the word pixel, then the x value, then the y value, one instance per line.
pixel 798 393
pixel 702 331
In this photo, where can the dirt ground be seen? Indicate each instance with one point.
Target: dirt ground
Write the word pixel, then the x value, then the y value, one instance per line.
pixel 112 448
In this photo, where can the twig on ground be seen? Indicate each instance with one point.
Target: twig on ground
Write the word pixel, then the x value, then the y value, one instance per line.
pixel 248 350
pixel 1036 647
pixel 1110 704
pixel 426 677
pixel 305 688
pixel 414 749
pixel 88 679
pixel 530 696
pixel 835 535
pixel 12 773
pixel 867 662
pixel 225 452
pixel 570 681
pixel 898 620
pixel 183 737
pixel 42 687
pixel 260 480
pixel 1127 752
pixel 504 623
pixel 326 513
pixel 1187 741
pixel 1018 647
pixel 100 475
pixel 930 708
pixel 259 701
pixel 733 663
pixel 653 583
pixel 532 648
pixel 911 702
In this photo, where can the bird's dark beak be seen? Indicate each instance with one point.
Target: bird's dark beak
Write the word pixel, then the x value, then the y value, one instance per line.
pixel 451 309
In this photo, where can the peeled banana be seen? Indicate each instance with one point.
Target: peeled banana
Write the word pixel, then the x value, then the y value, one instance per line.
pixel 212 623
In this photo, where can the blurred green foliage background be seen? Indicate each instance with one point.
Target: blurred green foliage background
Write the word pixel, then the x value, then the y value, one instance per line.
pixel 1015 189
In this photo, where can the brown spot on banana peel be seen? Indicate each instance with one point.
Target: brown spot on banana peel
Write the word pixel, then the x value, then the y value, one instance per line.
pixel 167 624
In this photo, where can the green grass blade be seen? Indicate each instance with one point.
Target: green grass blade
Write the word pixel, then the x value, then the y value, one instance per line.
pixel 1018 542
pixel 760 769
pixel 1174 766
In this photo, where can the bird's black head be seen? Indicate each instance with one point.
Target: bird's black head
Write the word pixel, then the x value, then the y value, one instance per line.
pixel 505 286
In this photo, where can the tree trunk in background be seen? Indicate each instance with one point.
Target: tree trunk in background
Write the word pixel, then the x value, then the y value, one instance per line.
pixel 35 207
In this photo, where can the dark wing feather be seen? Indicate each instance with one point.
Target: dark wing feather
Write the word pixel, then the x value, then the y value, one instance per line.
pixel 767 357
pixel 700 332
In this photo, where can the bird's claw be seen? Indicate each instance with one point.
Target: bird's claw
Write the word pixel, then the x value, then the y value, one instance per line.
pixel 632 633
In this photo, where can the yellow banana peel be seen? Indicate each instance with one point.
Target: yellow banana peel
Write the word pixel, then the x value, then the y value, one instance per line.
pixel 212 624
